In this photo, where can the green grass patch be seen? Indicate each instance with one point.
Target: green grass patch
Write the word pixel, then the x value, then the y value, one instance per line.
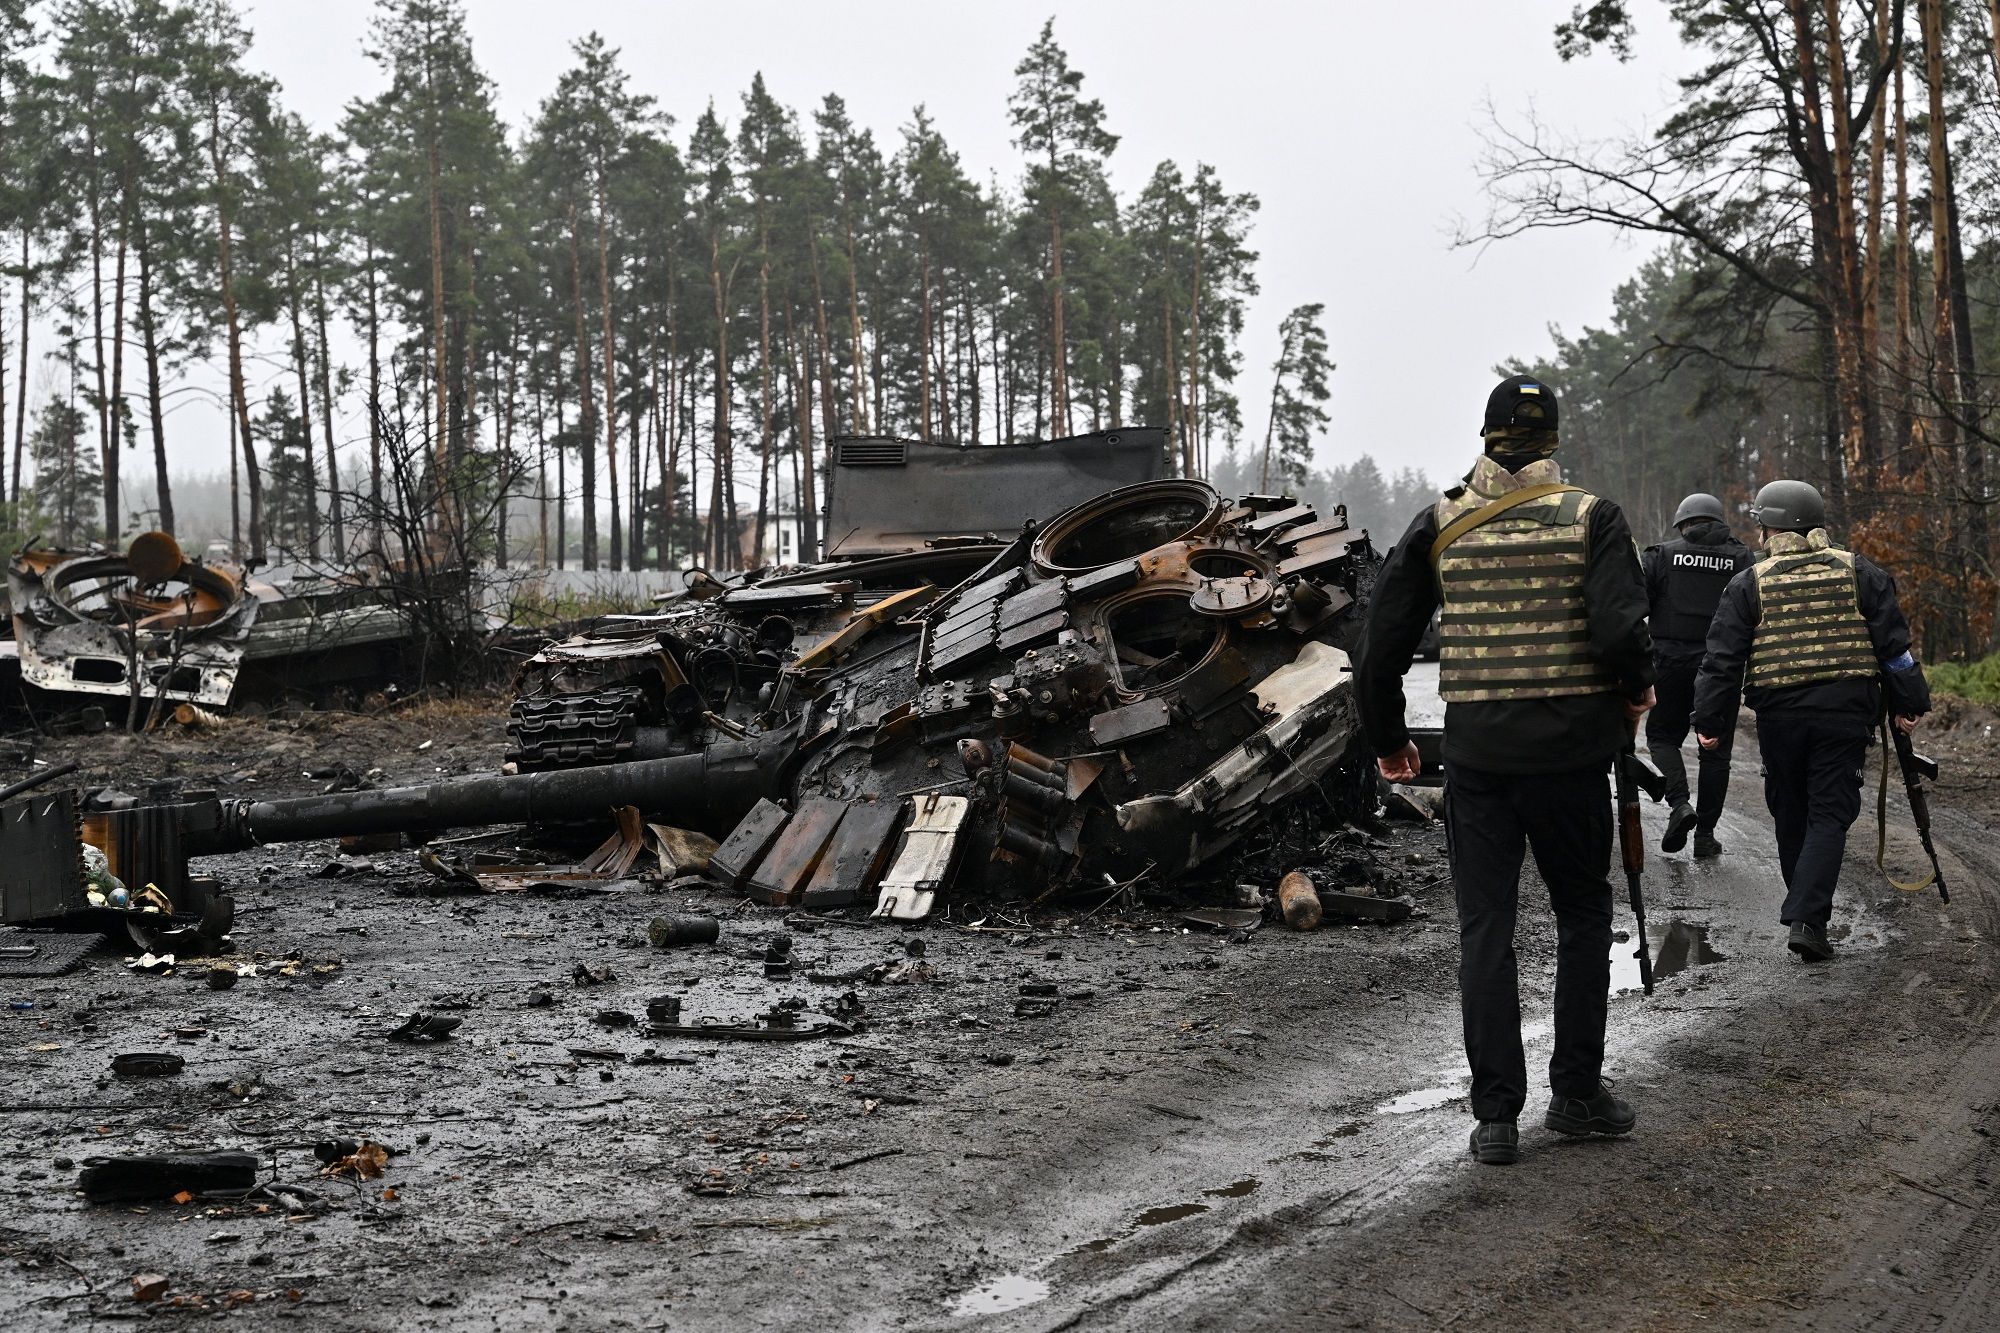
pixel 1978 681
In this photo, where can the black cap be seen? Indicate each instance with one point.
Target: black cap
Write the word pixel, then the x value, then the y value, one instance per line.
pixel 1520 400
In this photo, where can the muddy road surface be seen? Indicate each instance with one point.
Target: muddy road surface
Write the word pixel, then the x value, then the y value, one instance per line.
pixel 1044 1119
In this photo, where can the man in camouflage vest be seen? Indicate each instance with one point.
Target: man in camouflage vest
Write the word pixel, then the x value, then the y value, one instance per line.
pixel 1545 667
pixel 1820 635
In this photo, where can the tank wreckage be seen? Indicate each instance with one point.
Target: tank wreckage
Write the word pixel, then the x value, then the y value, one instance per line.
pixel 154 624
pixel 1122 691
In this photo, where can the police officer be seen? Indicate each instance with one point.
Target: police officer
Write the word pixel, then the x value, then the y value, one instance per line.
pixel 1820 634
pixel 1545 667
pixel 1684 580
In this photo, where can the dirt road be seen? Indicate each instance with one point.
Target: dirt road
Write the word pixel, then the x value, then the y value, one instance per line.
pixel 1199 1132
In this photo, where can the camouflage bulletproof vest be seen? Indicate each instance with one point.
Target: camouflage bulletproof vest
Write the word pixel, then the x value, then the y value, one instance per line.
pixel 1810 627
pixel 1514 624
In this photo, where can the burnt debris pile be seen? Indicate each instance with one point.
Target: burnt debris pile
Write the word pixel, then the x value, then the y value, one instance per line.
pixel 1122 692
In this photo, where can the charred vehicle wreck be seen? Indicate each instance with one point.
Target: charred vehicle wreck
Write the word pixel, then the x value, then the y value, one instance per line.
pixel 152 624
pixel 1121 692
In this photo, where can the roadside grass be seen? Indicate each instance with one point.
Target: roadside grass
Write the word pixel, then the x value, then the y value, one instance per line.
pixel 534 607
pixel 1978 681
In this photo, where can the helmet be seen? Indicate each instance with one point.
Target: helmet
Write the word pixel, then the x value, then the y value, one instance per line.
pixel 1699 505
pixel 1789 506
pixel 1520 400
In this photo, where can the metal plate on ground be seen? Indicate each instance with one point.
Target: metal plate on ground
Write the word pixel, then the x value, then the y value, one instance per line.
pixel 48 953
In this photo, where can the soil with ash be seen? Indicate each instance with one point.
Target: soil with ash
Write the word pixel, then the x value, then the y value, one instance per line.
pixel 1082 1115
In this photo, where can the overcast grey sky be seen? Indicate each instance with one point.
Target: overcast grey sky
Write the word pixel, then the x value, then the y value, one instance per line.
pixel 1355 123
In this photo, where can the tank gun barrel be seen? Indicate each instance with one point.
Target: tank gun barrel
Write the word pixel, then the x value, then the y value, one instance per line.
pixel 709 791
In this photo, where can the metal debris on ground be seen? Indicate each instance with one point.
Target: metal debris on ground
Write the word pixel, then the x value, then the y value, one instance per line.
pixel 426 1027
pixel 676 929
pixel 154 1177
pixel 1299 901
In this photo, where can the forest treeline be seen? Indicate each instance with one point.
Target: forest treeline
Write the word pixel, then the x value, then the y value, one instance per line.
pixel 1827 301
pixel 666 323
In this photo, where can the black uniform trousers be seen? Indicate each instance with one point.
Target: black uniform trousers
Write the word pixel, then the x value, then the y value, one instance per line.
pixel 1667 728
pixel 1491 819
pixel 1812 783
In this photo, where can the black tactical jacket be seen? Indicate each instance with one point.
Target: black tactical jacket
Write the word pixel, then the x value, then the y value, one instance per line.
pixel 1684 582
pixel 1508 736
pixel 1735 627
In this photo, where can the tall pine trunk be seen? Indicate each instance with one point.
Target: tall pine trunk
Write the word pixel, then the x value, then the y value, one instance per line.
pixel 765 433
pixel 374 396
pixel 723 444
pixel 325 368
pixel 1902 276
pixel 610 369
pixel 1944 385
pixel 586 397
pixel 860 394
pixel 21 384
pixel 155 412
pixel 234 331
pixel 305 397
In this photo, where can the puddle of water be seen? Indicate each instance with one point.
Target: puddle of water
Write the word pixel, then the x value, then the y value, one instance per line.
pixel 1423 1099
pixel 1681 945
pixel 1009 1291
pixel 1165 1213
pixel 1172 1212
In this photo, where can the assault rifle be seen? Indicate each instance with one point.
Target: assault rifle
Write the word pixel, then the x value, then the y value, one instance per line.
pixel 1636 775
pixel 1916 768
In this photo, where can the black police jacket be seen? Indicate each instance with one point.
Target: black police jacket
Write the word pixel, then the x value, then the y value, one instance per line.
pixel 1684 582
pixel 1734 628
pixel 1520 735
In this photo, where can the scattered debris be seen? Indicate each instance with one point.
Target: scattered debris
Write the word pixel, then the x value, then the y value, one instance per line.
pixel 1365 904
pixel 584 974
pixel 149 1287
pixel 1225 918
pixel 1424 804
pixel 362 1159
pixel 1299 901
pixel 150 1177
pixel 423 1027
pixel 673 930
pixel 146 1064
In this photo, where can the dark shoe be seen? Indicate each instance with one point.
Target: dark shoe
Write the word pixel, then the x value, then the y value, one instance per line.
pixel 1496 1143
pixel 1706 847
pixel 1599 1113
pixel 1679 824
pixel 1809 942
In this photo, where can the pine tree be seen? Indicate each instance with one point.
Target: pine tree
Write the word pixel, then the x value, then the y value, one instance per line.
pixel 66 483
pixel 1298 396
pixel 1063 134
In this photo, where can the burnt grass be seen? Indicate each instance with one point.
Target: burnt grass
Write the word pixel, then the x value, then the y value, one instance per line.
pixel 554 1163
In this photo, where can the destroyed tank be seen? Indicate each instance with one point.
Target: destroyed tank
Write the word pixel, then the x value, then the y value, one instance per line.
pixel 900 514
pixel 1121 690
pixel 1119 694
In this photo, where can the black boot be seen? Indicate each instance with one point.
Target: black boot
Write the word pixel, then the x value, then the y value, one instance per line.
pixel 1679 824
pixel 1809 942
pixel 1496 1143
pixel 1705 845
pixel 1599 1113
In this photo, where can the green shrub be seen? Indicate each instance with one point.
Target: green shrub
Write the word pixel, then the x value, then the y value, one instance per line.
pixel 1978 681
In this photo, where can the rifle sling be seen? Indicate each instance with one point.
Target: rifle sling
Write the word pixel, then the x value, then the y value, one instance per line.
pixel 1485 514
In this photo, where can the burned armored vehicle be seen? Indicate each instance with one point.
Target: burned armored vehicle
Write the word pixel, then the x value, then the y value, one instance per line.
pixel 1119 693
pixel 152 624
pixel 145 623
pixel 900 515
pixel 1120 690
